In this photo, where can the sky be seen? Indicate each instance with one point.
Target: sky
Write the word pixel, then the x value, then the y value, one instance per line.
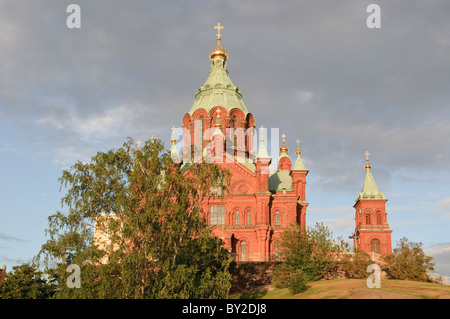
pixel 312 69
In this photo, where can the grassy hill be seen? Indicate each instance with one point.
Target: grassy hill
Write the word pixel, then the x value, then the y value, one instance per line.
pixel 357 289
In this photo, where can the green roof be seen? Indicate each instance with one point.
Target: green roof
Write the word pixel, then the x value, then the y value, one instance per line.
pixel 369 189
pixel 218 90
pixel 298 166
pixel 262 151
pixel 280 180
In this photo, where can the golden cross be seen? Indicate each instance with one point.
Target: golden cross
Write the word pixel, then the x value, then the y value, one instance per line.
pixel 218 27
pixel 139 144
pixel 153 139
pixel 298 143
pixel 283 136
pixel 367 156
pixel 262 131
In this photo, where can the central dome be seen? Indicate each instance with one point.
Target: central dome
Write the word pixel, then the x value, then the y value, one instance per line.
pixel 218 52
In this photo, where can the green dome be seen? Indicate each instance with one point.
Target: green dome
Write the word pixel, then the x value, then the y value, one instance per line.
pixel 218 90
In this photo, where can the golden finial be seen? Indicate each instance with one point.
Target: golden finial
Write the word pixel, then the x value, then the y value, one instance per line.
pixel 153 139
pixel 139 144
pixel 367 160
pixel 218 124
pixel 218 52
pixel 298 147
pixel 261 131
pixel 173 140
pixel 284 148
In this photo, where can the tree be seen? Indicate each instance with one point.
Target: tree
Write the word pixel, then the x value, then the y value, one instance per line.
pixel 408 262
pixel 313 250
pixel 147 209
pixel 25 282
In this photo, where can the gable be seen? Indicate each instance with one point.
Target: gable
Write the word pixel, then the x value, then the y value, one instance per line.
pixel 280 180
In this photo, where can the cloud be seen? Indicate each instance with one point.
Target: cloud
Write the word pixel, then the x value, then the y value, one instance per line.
pixel 441 254
pixel 13 261
pixel 109 123
pixel 313 69
pixel 443 204
pixel 304 96
pixel 337 218
pixel 11 238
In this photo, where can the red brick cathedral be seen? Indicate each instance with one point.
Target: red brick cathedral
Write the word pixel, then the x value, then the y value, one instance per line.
pixel 261 202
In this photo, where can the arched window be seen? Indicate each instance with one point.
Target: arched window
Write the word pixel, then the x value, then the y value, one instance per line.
pixel 236 218
pixel 243 251
pixel 234 126
pixel 277 218
pixel 234 122
pixel 249 217
pixel 202 125
pixel 375 246
pixel 367 218
pixel 379 218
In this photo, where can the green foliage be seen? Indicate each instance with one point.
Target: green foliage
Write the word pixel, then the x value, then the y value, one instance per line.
pixel 284 276
pixel 408 262
pixel 355 265
pixel 313 250
pixel 25 282
pixel 299 282
pixel 148 212
pixel 281 275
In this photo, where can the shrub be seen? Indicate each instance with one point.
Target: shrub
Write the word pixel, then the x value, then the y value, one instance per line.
pixel 285 276
pixel 355 266
pixel 299 282
pixel 313 250
pixel 408 262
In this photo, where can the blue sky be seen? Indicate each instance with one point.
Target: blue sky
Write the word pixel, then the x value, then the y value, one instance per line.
pixel 310 68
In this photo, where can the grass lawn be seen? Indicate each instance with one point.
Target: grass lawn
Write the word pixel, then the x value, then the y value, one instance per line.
pixel 345 288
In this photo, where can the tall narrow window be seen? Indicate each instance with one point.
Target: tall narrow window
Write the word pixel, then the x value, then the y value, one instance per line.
pixel 367 218
pixel 234 125
pixel 379 218
pixel 236 216
pixel 277 218
pixel 202 125
pixel 249 217
pixel 217 215
pixel 243 251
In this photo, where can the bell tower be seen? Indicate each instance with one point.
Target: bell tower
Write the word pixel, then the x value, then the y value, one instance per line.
pixel 372 233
